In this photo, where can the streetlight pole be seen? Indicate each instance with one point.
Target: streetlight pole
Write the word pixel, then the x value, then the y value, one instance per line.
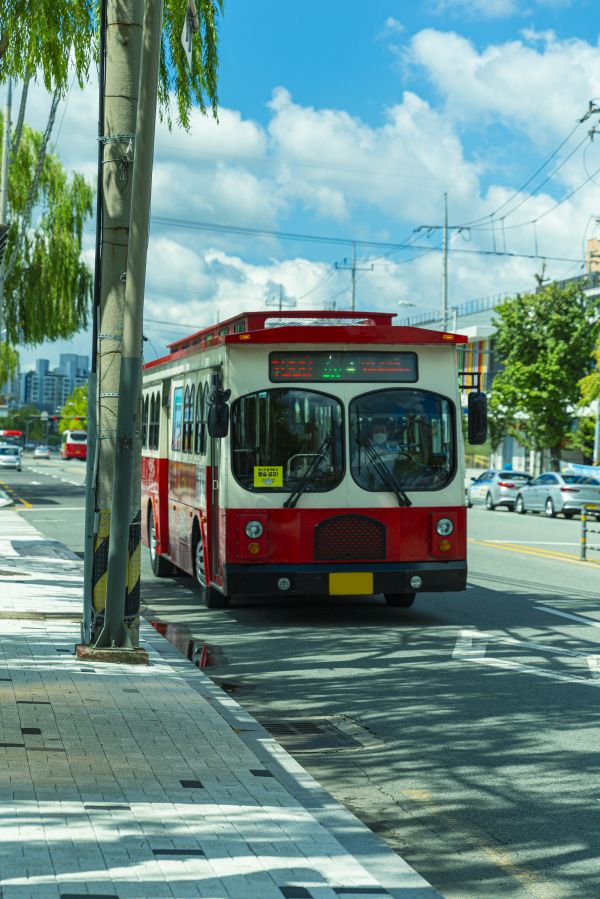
pixel 445 267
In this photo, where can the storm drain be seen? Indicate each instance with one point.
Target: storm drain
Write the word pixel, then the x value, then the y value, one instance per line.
pixel 306 735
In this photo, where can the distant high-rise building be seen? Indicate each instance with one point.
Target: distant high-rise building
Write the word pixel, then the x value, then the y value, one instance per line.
pixel 49 389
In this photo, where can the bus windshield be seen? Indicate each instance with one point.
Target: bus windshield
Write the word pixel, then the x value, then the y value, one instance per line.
pixel 410 432
pixel 278 434
pixel 76 436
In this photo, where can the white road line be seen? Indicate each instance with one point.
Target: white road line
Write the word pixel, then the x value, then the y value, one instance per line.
pixel 579 618
pixel 531 542
pixel 54 509
pixel 35 483
pixel 467 650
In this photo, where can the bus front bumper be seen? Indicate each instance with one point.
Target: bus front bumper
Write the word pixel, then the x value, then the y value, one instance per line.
pixel 344 579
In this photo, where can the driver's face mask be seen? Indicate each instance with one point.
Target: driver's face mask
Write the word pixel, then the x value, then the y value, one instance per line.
pixel 380 438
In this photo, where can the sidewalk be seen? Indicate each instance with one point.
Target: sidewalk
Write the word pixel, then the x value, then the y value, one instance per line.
pixel 130 781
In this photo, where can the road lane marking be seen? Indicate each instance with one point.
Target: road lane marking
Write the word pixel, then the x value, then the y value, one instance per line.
pixel 532 542
pixel 541 553
pixel 471 647
pixel 579 618
pixel 54 509
pixel 15 496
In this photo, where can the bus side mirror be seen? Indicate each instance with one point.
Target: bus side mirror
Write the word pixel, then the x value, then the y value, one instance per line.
pixel 218 419
pixel 477 418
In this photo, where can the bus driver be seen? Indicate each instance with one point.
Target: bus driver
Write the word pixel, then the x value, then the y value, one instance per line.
pixel 378 448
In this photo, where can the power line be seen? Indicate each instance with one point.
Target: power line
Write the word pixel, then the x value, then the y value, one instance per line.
pixel 535 174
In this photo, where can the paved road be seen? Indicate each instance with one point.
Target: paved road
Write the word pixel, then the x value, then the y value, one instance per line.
pixel 474 715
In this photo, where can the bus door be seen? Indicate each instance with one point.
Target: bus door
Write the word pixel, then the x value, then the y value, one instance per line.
pixel 213 518
pixel 216 551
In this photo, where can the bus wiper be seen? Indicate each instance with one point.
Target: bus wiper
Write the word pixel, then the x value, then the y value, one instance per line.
pixel 384 472
pixel 292 500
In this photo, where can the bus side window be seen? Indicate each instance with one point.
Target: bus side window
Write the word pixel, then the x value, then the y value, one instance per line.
pixel 200 423
pixel 190 424
pixel 145 404
pixel 177 419
pixel 154 421
pixel 151 423
pixel 187 414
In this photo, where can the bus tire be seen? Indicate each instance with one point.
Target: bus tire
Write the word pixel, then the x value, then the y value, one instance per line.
pixel 211 597
pixel 161 567
pixel 400 600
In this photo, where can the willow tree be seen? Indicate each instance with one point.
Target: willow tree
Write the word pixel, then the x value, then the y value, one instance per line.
pixel 40 38
pixel 47 289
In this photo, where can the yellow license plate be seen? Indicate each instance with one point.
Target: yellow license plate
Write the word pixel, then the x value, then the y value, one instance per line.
pixel 352 583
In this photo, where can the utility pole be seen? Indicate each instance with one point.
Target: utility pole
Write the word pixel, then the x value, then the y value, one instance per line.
pixel 445 267
pixel 353 268
pixel 123 35
pixel 114 634
pixel 445 228
pixel 281 301
pixel 596 456
pixel 4 187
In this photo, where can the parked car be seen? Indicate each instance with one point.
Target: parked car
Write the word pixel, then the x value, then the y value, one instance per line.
pixel 496 488
pixel 10 457
pixel 41 452
pixel 553 493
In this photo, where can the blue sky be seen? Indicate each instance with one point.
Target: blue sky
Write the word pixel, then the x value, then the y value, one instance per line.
pixel 350 120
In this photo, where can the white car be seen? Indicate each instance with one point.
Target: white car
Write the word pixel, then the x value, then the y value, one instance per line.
pixel 41 452
pixel 553 493
pixel 10 457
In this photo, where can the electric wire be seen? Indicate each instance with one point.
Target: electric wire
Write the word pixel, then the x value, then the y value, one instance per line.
pixel 528 181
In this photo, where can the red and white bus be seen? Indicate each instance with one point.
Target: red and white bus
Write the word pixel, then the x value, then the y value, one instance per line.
pixel 12 437
pixel 74 445
pixel 308 453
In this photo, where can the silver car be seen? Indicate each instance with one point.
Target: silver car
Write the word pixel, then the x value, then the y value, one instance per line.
pixel 552 493
pixel 496 488
pixel 10 457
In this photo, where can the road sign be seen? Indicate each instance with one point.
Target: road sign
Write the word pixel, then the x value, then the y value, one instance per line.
pixel 44 416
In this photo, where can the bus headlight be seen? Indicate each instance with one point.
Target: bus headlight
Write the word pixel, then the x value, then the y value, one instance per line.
pixel 254 529
pixel 444 527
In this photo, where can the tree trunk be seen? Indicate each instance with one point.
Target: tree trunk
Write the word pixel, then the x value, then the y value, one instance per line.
pixel 555 458
pixel 123 54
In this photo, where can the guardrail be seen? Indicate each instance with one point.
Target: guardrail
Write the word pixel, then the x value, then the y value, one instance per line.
pixel 586 547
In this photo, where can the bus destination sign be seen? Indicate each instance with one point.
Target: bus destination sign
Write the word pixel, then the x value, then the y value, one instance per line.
pixel 342 365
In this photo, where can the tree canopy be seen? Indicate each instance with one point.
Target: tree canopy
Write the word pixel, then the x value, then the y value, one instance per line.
pixel 42 38
pixel 73 415
pixel 545 341
pixel 9 363
pixel 47 293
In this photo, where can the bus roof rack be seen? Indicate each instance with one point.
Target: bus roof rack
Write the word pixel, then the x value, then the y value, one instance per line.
pixel 257 321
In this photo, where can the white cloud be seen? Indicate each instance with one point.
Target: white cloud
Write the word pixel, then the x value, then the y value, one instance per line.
pixel 492 9
pixel 540 90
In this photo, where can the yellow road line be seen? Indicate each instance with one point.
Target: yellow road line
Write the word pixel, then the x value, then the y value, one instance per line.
pixel 15 496
pixel 542 553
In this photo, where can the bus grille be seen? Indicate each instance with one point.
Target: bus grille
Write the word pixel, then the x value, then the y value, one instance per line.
pixel 350 537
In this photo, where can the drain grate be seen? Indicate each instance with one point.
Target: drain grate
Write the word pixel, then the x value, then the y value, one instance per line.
pixel 307 734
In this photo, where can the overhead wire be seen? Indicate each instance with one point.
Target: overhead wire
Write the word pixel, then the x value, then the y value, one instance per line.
pixel 519 190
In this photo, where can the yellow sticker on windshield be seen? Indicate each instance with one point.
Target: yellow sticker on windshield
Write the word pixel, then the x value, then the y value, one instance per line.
pixel 268 475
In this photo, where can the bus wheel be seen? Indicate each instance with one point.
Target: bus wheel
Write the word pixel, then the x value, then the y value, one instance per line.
pixel 160 566
pixel 211 598
pixel 400 600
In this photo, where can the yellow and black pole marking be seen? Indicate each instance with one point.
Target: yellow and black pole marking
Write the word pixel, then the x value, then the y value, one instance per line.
pixel 100 570
pixel 583 548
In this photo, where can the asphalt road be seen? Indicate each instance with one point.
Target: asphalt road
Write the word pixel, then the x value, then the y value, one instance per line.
pixel 473 716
